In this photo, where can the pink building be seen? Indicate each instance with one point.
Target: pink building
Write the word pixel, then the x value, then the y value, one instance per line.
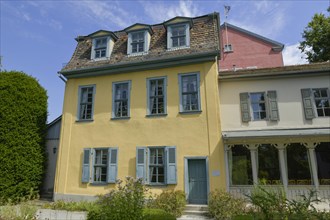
pixel 242 49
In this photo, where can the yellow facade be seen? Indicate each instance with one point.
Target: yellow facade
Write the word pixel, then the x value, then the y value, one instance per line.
pixel 197 134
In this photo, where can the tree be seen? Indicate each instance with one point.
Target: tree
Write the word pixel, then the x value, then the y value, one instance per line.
pixel 23 114
pixel 317 34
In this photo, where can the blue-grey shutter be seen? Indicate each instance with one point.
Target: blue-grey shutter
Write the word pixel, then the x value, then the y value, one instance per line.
pixel 85 166
pixel 171 173
pixel 141 163
pixel 307 98
pixel 272 105
pixel 93 163
pixel 245 107
pixel 112 165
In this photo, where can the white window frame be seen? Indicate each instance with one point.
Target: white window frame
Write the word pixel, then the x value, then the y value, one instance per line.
pixel 259 102
pixel 228 48
pixel 108 48
pixel 322 98
pixel 156 165
pixel 149 95
pixel 146 42
pixel 114 84
pixel 170 37
pixel 94 165
pixel 182 110
pixel 80 93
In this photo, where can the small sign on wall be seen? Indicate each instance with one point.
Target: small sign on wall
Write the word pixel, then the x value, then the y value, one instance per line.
pixel 216 173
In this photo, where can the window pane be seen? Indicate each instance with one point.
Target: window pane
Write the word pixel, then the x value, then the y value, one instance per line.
pixel 298 165
pixel 322 152
pixel 240 164
pixel 268 165
pixel 100 174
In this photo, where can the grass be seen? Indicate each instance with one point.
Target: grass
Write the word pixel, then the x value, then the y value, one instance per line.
pixel 23 211
pixel 71 206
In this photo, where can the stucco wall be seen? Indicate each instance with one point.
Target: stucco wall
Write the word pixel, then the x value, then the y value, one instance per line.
pixel 289 102
pixel 192 134
pixel 248 51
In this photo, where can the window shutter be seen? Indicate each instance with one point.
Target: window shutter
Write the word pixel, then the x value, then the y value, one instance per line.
pixel 307 98
pixel 112 165
pixel 85 166
pixel 171 174
pixel 245 107
pixel 141 163
pixel 129 43
pixel 108 47
pixel 272 104
pixel 93 163
pixel 93 49
pixel 169 37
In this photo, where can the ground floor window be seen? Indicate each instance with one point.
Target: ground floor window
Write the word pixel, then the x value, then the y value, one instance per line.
pixel 156 165
pixel 240 165
pixel 322 152
pixel 268 165
pixel 298 165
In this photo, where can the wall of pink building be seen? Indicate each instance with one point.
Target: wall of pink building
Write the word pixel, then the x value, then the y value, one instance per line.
pixel 248 51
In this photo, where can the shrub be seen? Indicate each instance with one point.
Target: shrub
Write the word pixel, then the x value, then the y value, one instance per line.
pixel 270 202
pixel 23 114
pixel 70 206
pixel 170 201
pixel 159 214
pixel 222 205
pixel 125 202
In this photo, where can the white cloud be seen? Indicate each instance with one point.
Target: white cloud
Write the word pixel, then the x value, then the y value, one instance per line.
pixel 293 56
pixel 162 11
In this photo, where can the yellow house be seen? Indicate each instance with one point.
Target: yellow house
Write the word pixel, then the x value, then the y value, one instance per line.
pixel 143 102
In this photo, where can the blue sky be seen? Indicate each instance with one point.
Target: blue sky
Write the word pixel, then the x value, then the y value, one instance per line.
pixel 37 37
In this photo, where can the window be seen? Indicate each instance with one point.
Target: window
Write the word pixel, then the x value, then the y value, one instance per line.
pixel 322 152
pixel 86 100
pixel 240 166
pixel 189 92
pixel 316 102
pixel 120 99
pixel 298 165
pixel 138 42
pixel 268 165
pixel 156 165
pixel 259 106
pixel 228 48
pixel 102 162
pixel 178 36
pixel 100 48
pixel 156 88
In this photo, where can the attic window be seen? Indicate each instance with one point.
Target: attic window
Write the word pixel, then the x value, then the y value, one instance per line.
pixel 228 48
pixel 100 48
pixel 178 36
pixel 138 42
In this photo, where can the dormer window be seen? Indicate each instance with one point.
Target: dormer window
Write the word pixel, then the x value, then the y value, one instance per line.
pixel 137 44
pixel 100 47
pixel 178 36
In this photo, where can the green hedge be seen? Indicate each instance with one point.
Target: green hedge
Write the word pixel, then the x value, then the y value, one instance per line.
pixel 23 115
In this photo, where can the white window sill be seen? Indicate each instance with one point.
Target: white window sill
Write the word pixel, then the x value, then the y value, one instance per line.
pixel 100 59
pixel 178 48
pixel 137 54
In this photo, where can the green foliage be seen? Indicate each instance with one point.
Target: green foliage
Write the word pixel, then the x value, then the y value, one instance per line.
pixel 222 205
pixel 71 206
pixel 159 214
pixel 170 201
pixel 23 211
pixel 23 114
pixel 316 39
pixel 125 202
pixel 271 202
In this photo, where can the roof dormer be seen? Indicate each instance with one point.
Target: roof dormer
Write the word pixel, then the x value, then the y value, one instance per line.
pixel 138 39
pixel 178 32
pixel 102 44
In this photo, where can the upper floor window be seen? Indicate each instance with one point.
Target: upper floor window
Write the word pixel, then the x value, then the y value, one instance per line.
pixel 156 88
pixel 228 48
pixel 121 99
pixel 189 92
pixel 138 42
pixel 86 101
pixel 101 48
pixel 316 102
pixel 259 106
pixel 102 163
pixel 178 36
pixel 156 165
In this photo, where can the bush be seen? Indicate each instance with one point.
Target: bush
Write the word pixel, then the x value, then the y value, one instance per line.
pixel 270 202
pixel 170 201
pixel 125 202
pixel 23 115
pixel 222 205
pixel 159 214
pixel 71 206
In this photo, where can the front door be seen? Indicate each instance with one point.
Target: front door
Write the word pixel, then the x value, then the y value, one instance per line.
pixel 197 181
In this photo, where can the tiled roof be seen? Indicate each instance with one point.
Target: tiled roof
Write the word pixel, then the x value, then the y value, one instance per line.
pixel 313 68
pixel 204 38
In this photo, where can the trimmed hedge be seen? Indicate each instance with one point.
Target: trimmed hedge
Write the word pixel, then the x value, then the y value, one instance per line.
pixel 23 115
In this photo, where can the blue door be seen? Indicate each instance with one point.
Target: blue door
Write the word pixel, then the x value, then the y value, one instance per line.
pixel 197 181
